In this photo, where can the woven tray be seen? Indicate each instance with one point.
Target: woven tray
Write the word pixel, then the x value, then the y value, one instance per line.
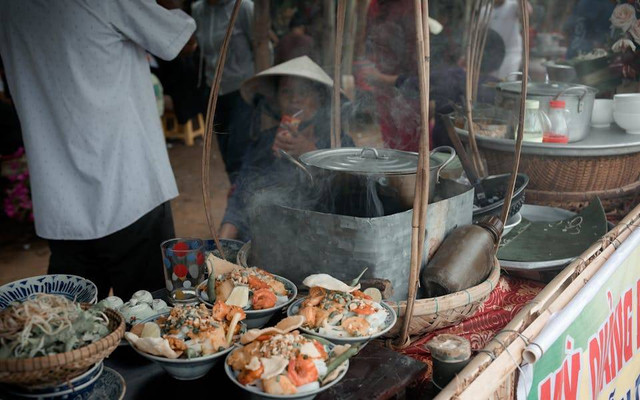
pixel 441 312
pixel 57 368
pixel 569 174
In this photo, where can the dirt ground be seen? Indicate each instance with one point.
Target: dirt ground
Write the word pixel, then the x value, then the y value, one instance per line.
pixel 23 254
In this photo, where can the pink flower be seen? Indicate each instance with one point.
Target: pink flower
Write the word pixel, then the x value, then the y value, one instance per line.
pixel 623 16
pixel 9 209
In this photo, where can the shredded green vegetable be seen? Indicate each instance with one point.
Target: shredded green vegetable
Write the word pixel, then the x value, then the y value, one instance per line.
pixel 48 324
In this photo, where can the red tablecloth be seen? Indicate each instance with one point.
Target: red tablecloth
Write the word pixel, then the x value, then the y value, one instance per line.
pixel 510 295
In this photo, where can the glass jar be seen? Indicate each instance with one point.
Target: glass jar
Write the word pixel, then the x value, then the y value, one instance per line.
pixel 536 122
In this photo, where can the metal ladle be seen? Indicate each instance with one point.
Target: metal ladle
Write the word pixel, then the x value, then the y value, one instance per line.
pixel 476 182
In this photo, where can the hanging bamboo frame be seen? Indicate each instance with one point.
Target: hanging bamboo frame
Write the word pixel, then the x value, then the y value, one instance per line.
pixel 422 175
pixel 208 128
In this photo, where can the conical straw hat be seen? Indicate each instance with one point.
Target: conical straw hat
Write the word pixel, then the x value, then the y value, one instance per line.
pixel 265 82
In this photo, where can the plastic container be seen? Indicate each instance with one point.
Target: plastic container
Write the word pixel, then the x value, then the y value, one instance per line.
pixel 463 260
pixel 558 117
pixel 536 122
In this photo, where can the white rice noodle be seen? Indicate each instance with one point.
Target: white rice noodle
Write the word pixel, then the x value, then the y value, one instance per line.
pixel 321 366
pixel 280 300
pixel 308 349
pixel 376 320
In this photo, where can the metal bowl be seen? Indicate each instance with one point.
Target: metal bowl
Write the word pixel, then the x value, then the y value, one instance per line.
pixel 496 185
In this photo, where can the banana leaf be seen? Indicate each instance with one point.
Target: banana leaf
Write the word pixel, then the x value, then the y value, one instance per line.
pixel 548 241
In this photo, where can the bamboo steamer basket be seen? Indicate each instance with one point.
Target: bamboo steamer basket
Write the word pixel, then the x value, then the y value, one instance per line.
pixel 56 368
pixel 606 175
pixel 444 311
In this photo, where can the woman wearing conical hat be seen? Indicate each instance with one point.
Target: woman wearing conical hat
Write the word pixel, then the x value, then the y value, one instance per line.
pixel 296 97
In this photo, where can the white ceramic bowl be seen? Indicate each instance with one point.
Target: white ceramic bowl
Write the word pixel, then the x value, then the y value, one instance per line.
pixel 602 115
pixel 388 324
pixel 72 287
pixel 186 369
pixel 630 107
pixel 256 394
pixel 511 223
pixel 628 122
pixel 626 97
pixel 256 318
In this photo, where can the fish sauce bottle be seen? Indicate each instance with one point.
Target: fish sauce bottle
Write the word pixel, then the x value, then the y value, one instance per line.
pixel 558 117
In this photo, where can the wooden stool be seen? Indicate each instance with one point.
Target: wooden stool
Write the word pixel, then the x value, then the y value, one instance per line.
pixel 187 132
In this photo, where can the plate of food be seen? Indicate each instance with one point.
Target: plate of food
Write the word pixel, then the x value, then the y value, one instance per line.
pixel 190 339
pixel 48 339
pixel 140 307
pixel 281 363
pixel 341 313
pixel 259 293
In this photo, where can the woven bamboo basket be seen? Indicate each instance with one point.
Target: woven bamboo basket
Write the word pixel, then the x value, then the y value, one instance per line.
pixel 605 175
pixel 57 368
pixel 441 312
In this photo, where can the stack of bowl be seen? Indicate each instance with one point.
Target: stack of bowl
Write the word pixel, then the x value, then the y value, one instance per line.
pixel 626 112
pixel 79 387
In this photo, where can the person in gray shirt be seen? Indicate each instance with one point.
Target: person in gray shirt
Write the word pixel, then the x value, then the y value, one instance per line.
pixel 233 115
pixel 100 174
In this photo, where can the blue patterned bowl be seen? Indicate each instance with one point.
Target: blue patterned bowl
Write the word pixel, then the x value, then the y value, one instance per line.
pixel 72 287
pixel 77 388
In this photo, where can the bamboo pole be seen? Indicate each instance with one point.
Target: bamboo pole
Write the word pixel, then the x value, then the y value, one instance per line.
pixel 361 29
pixel 328 33
pixel 472 44
pixel 336 128
pixel 208 129
pixel 523 97
pixel 261 24
pixel 550 299
pixel 485 14
pixel 420 201
pixel 350 27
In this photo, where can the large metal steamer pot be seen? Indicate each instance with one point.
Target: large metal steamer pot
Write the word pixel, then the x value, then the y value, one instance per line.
pixel 296 243
pixel 579 101
pixel 356 172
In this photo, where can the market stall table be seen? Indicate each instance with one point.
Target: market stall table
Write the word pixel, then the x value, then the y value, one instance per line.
pixel 611 141
pixel 376 373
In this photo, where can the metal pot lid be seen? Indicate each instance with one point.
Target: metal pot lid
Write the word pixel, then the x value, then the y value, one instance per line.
pixel 546 89
pixel 365 160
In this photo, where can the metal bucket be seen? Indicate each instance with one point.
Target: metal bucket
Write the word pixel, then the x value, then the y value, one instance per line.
pixel 296 243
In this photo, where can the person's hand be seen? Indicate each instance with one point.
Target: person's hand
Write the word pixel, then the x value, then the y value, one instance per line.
pixel 228 231
pixel 293 143
pixel 189 47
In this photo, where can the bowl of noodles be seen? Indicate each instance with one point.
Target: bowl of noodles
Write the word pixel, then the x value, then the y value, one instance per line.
pixel 72 287
pixel 48 339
